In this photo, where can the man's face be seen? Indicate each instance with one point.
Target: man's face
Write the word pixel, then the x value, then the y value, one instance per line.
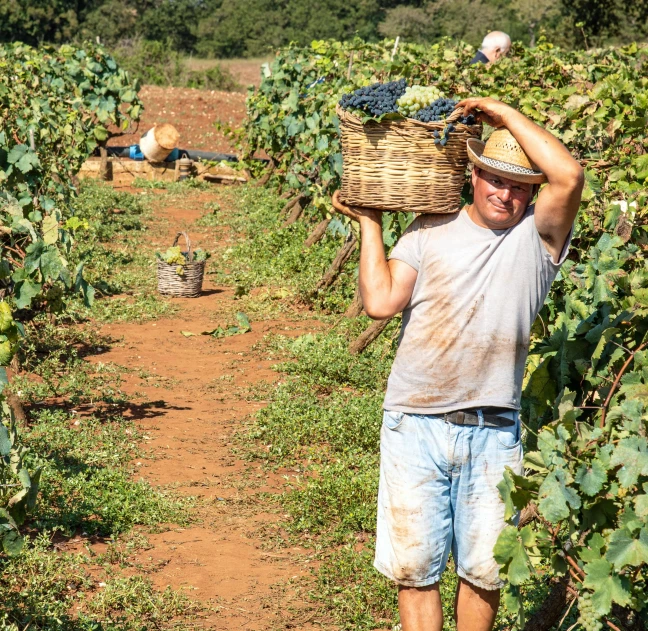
pixel 499 202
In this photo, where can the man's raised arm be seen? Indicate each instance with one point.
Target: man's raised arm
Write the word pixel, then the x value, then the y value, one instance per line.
pixel 385 286
pixel 559 200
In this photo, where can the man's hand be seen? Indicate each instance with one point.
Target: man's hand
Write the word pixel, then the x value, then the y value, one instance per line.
pixel 355 212
pixel 486 110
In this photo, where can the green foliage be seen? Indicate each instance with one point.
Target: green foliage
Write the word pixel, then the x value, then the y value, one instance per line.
pixel 121 275
pixel 229 28
pixel 47 589
pixel 87 476
pixel 175 256
pixel 18 486
pixel 58 105
pixel 242 326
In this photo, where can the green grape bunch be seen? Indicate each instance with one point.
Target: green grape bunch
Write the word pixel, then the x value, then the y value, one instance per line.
pixel 417 97
pixel 588 619
pixel 175 256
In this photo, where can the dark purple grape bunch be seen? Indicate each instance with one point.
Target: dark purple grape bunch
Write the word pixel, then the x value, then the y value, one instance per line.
pixel 376 99
pixel 437 111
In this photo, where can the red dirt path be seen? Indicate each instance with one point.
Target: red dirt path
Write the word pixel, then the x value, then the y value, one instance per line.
pixel 196 406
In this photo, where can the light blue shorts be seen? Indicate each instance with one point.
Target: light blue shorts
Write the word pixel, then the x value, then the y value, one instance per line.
pixel 438 492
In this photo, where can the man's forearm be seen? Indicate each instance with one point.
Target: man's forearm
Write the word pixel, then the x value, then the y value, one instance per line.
pixel 385 286
pixel 375 277
pixel 542 147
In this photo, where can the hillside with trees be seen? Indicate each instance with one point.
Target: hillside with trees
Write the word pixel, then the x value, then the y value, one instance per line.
pixel 244 28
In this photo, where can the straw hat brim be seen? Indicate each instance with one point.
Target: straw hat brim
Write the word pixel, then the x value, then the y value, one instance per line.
pixel 505 169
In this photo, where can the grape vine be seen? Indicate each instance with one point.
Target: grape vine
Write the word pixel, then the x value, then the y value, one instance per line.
pixel 56 106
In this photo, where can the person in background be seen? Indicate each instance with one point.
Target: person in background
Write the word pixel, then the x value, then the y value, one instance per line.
pixel 495 46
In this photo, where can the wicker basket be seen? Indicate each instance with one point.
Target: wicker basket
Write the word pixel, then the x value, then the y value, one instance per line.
pixel 189 285
pixel 395 165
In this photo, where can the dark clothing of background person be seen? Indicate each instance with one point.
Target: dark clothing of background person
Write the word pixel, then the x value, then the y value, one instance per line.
pixel 479 58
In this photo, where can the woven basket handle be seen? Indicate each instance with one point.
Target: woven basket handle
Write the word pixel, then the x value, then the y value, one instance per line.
pixel 187 241
pixel 456 115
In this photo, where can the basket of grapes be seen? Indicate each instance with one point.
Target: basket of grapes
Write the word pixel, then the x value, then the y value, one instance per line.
pixel 403 148
pixel 180 272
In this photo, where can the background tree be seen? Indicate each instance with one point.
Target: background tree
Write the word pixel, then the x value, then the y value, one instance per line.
pixel 245 28
pixel 534 14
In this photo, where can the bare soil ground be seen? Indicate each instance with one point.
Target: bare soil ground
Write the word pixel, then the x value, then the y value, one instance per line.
pixel 197 398
pixel 192 112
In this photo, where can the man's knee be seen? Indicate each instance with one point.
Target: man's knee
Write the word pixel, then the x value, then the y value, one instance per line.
pixel 490 596
pixel 417 597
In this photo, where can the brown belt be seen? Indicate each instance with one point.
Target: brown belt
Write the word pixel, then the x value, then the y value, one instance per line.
pixel 470 417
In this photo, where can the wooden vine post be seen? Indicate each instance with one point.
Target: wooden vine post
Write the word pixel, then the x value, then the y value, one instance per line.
pixel 356 306
pixel 368 336
pixel 268 174
pixel 103 163
pixel 615 385
pixel 301 201
pixel 341 259
pixel 317 234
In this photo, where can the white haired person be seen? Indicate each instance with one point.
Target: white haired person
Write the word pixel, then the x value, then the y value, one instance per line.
pixel 495 46
pixel 470 285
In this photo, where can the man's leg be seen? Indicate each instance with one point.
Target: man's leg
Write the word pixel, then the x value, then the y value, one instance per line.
pixel 414 528
pixel 420 608
pixel 475 607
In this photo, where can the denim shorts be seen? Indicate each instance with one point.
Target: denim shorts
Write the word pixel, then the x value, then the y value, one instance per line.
pixel 438 493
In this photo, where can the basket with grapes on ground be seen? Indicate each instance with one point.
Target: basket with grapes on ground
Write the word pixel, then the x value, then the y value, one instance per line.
pixel 180 273
pixel 403 148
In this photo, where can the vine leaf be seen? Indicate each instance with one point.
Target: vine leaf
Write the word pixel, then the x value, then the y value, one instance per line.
pixel 50 230
pixel 593 552
pixel 515 491
pixel 632 455
pixel 12 543
pixel 591 479
pixel 624 549
pixel 5 441
pixel 25 291
pixel 606 587
pixel 510 552
pixel 556 497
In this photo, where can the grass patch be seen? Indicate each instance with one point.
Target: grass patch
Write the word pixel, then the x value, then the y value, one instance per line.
pixel 43 589
pixel 88 480
pixel 266 254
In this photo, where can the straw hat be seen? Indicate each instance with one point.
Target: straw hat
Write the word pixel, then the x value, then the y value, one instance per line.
pixel 502 155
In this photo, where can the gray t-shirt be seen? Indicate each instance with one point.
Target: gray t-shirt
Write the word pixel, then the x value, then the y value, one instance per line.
pixel 465 334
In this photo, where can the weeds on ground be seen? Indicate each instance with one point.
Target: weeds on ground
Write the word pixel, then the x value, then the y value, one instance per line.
pixel 44 589
pixel 112 243
pixel 269 255
pixel 173 188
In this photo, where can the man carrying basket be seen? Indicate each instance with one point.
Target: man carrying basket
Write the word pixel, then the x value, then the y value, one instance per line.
pixel 470 285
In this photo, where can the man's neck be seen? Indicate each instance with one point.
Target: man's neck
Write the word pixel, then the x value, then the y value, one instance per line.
pixel 490 54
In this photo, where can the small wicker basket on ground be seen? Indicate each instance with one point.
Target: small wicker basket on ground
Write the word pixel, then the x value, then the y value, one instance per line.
pixel 185 285
pixel 394 165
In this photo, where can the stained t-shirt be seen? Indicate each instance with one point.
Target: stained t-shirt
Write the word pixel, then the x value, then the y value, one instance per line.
pixel 465 333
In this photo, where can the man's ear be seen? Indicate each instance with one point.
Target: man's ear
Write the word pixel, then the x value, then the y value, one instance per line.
pixel 474 175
